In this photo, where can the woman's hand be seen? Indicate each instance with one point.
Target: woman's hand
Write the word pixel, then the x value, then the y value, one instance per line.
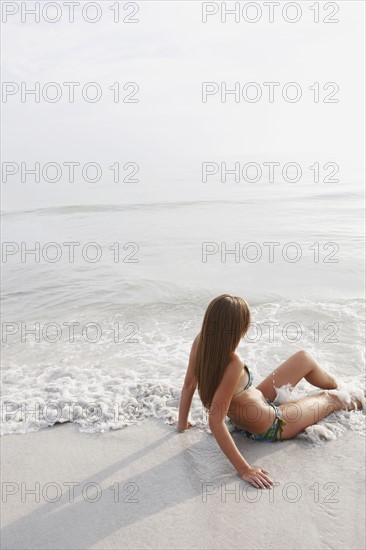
pixel 186 427
pixel 257 477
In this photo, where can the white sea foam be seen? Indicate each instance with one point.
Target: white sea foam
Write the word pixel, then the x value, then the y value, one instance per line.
pixel 104 387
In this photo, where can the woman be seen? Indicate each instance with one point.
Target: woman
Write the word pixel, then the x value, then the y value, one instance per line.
pixel 225 388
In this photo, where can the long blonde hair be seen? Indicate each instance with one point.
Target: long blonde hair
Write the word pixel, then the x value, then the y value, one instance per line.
pixel 226 321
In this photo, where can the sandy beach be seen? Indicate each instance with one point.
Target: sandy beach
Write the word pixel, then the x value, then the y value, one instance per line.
pixel 149 486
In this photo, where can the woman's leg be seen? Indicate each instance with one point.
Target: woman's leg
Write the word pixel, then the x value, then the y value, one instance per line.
pixel 301 413
pixel 298 366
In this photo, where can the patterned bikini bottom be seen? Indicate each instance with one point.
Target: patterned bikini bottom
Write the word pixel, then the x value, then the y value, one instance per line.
pixel 273 431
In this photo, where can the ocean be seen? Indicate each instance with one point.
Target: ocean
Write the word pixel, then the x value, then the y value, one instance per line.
pixel 98 332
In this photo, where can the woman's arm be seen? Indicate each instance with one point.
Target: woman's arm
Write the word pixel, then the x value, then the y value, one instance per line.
pixel 217 414
pixel 184 407
pixel 227 445
pixel 189 387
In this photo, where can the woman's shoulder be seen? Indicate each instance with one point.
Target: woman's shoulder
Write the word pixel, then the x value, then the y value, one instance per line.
pixel 236 363
pixel 234 368
pixel 235 358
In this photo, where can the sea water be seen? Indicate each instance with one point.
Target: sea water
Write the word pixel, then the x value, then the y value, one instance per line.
pixel 101 337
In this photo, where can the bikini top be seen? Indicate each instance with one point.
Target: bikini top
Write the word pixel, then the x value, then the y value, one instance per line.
pixel 249 383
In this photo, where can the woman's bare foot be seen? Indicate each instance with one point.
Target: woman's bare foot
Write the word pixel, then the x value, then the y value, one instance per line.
pixel 355 405
pixel 346 401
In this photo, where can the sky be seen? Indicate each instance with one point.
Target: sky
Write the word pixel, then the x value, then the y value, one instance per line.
pixel 169 53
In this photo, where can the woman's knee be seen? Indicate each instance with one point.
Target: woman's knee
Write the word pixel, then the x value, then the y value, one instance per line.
pixel 303 355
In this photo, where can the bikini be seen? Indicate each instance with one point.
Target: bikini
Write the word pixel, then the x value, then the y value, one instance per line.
pixel 249 383
pixel 277 426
